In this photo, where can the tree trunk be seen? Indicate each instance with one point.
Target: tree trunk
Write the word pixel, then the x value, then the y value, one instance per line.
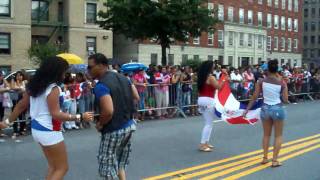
pixel 164 55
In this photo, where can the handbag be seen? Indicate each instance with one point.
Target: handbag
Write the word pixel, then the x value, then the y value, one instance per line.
pixel 7 102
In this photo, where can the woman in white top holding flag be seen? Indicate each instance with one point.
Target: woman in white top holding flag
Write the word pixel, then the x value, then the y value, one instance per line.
pixel 274 91
pixel 43 96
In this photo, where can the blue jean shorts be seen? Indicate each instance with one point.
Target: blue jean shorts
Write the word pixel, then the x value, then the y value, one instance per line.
pixel 273 112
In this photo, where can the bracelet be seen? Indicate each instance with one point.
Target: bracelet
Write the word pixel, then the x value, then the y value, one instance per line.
pixel 7 122
pixel 78 117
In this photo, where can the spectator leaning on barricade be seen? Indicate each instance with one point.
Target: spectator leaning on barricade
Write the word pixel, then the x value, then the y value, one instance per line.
pixel 4 98
pixel 85 98
pixel 249 80
pixel 18 87
pixel 236 83
pixel 186 81
pixel 140 81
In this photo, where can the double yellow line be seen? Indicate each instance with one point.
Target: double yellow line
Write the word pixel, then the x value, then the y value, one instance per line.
pixel 244 161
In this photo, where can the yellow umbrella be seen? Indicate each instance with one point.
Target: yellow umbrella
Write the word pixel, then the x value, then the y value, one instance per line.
pixel 71 58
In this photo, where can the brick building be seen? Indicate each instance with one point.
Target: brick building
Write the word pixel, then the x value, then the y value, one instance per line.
pixel 252 31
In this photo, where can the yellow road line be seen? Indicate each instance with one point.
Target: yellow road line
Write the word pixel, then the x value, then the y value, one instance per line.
pixel 237 168
pixel 259 168
pixel 225 160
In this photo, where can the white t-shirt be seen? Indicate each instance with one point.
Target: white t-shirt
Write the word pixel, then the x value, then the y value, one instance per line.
pixel 39 110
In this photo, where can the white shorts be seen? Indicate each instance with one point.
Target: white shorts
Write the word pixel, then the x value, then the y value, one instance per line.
pixel 47 138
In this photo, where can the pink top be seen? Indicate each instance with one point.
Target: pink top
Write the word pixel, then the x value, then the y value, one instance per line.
pixel 140 79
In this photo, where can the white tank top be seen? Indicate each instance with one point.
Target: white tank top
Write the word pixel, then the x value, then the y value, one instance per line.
pixel 39 110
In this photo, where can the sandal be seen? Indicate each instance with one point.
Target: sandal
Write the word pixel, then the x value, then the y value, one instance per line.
pixel 275 164
pixel 265 160
pixel 210 146
pixel 205 149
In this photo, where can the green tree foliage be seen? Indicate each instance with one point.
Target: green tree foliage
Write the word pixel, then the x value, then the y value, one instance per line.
pixel 166 21
pixel 39 52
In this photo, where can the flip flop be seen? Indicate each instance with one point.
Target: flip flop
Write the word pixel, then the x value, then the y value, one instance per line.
pixel 276 164
pixel 265 161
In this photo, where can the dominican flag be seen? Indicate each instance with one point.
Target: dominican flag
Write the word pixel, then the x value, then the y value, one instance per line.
pixel 229 109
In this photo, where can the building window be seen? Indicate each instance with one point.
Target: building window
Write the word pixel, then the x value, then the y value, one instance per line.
pixel 269 3
pixel 5 43
pixel 259 18
pixel 306 12
pixel 283 4
pixel 220 12
pixel 295 44
pixel 269 43
pixel 269 20
pixel 91 13
pixel 306 27
pixel 289 44
pixel 313 26
pixel 38 39
pixel 60 11
pixel 154 58
pixel 296 5
pixel 196 40
pixel 230 41
pixel 260 39
pixel 184 58
pixel 312 53
pixel 305 53
pixel 305 40
pixel 275 45
pixel 241 15
pixel 295 25
pixel 5 8
pixel 313 12
pixel 230 60
pixel 276 21
pixel 230 14
pixel 211 9
pixel 250 17
pixel 313 39
pixel 289 24
pixel 276 3
pixel 40 10
pixel 241 39
pixel 210 57
pixel 289 5
pixel 283 23
pixel 196 57
pixel 220 39
pixel 210 38
pixel 91 45
pixel 283 44
pixel 171 59
pixel 260 1
pixel 249 40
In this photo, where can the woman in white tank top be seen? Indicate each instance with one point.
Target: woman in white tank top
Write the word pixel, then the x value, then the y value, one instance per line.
pixel 275 92
pixel 43 97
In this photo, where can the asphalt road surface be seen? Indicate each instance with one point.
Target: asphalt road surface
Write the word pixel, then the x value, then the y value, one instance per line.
pixel 167 149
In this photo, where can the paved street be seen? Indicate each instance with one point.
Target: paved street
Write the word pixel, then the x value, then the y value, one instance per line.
pixel 165 146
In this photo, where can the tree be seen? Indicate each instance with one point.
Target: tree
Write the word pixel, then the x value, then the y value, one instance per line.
pixel 166 21
pixel 39 52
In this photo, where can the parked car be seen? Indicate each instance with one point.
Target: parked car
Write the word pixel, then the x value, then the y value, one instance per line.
pixel 30 72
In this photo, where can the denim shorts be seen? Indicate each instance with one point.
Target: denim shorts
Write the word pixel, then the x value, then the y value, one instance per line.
pixel 273 112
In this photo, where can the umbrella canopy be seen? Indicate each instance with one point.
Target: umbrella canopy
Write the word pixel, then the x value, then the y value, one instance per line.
pixel 71 58
pixel 131 67
pixel 76 68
